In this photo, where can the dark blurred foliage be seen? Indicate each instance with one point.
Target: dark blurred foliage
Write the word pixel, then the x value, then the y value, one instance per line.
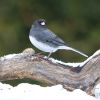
pixel 77 22
pixel 17 81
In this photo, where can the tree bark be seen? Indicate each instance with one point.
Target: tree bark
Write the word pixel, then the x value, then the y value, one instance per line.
pixel 30 65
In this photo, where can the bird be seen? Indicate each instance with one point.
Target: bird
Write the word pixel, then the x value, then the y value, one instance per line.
pixel 46 40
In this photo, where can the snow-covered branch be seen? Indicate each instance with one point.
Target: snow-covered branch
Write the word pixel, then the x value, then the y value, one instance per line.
pixel 83 75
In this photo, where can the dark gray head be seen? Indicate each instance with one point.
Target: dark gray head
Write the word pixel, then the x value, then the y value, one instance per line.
pixel 41 23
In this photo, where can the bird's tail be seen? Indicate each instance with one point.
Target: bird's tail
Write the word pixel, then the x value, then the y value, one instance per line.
pixel 72 49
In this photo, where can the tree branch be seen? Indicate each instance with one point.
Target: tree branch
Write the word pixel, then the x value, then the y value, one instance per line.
pixel 29 65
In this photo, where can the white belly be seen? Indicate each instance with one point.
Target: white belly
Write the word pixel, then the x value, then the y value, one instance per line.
pixel 41 46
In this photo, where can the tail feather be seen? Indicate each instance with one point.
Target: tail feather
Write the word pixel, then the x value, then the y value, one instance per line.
pixel 72 49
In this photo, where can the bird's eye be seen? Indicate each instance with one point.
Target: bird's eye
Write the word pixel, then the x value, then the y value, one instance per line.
pixel 42 23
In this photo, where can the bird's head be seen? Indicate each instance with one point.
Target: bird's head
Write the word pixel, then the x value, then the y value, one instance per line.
pixel 41 23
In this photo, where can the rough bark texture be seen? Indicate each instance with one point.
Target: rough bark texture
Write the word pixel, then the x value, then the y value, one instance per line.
pixel 35 67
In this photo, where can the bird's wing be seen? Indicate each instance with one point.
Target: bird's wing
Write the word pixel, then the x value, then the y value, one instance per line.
pixel 50 38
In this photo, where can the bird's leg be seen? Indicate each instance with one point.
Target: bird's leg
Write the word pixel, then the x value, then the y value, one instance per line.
pixel 49 55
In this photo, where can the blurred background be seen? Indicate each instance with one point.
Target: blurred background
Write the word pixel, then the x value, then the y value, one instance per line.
pixel 77 22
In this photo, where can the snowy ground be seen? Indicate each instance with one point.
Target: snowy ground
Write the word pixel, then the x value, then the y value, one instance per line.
pixel 25 91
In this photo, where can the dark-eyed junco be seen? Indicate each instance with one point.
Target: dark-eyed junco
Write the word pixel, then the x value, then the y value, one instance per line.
pixel 45 40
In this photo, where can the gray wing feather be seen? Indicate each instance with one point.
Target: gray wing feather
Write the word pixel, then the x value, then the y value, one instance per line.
pixel 49 37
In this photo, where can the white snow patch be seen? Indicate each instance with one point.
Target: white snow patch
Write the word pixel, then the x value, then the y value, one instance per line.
pixel 79 64
pixel 10 56
pixel 25 91
pixel 97 91
pixel 5 87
